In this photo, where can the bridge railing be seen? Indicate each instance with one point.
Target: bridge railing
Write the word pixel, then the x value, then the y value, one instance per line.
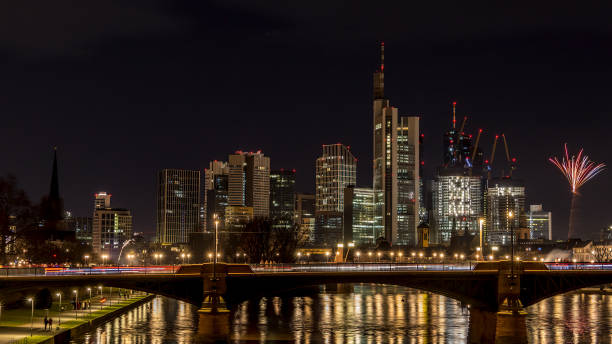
pixel 346 267
pixel 579 266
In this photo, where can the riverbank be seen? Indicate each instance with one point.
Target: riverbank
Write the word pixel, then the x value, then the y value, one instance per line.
pixel 17 326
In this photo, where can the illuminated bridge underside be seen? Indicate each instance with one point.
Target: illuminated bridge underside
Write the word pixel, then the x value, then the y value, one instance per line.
pixel 481 288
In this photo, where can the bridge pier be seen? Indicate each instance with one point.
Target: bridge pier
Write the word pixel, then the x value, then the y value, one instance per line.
pixel 215 287
pixel 509 289
pixel 491 327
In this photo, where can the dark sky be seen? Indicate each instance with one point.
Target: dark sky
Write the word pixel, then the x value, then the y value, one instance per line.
pixel 125 89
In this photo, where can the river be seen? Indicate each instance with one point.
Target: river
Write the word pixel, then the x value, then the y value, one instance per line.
pixel 362 314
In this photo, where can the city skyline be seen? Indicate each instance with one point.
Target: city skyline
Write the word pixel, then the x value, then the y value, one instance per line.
pixel 552 106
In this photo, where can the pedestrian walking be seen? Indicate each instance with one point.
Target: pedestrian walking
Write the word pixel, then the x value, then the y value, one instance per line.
pixel 50 324
pixel 46 322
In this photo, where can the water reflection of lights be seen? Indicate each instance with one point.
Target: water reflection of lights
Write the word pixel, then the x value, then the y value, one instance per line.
pixel 368 314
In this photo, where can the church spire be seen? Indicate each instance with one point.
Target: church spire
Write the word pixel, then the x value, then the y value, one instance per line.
pixel 54 190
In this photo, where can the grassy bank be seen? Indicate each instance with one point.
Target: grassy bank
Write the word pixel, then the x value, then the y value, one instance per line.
pixel 15 324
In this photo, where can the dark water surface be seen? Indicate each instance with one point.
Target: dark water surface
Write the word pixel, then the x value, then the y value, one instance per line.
pixel 363 314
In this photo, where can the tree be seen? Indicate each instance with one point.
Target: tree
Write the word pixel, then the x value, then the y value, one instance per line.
pixel 255 239
pixel 18 218
pixel 602 253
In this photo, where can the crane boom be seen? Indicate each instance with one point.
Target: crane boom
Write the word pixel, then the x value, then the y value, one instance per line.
pixel 463 124
pixel 506 146
pixel 492 156
pixel 476 145
pixel 493 150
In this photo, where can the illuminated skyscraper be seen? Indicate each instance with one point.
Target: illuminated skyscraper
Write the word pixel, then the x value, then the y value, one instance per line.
pixel 249 182
pixel 282 198
pixel 362 215
pixel 502 197
pixel 396 165
pixel 457 204
pixel 335 170
pixel 540 222
pixel 112 227
pixel 215 193
pixel 305 215
pixel 178 205
pixel 102 200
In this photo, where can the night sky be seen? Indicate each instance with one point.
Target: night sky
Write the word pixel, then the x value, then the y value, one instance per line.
pixel 126 89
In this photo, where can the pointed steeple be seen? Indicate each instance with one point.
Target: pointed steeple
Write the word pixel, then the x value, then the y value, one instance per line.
pixel 54 190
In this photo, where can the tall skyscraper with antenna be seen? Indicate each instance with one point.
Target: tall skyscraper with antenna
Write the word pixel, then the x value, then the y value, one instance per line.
pixel 396 164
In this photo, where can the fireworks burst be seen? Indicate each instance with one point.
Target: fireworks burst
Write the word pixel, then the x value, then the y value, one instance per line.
pixel 578 170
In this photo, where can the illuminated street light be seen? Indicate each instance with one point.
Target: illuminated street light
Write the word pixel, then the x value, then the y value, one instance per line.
pixel 59 320
pixel 32 316
pixel 76 303
pixel 104 257
pixel 480 222
pixel 89 305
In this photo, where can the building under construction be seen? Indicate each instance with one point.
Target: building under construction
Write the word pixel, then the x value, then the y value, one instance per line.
pixel 457 191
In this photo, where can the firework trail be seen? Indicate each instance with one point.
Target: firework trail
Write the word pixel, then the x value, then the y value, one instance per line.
pixel 577 170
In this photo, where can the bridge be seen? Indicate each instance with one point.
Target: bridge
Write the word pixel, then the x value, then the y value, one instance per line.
pixel 490 286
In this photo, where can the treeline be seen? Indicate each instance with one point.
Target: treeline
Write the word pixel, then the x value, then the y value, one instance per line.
pixel 26 237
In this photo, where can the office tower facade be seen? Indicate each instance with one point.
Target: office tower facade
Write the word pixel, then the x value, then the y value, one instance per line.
pixel 178 205
pixel 457 204
pixel 502 197
pixel 102 200
pixel 236 216
pixel 539 222
pixel 305 215
pixel 215 194
pixel 111 228
pixel 249 182
pixel 82 226
pixel 335 170
pixel 396 165
pixel 282 198
pixel 362 215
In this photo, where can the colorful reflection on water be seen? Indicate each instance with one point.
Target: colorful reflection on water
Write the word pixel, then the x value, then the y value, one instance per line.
pixel 357 314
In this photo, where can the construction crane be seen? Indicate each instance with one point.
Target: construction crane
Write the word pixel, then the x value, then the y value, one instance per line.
pixel 462 125
pixel 492 156
pixel 510 161
pixel 476 145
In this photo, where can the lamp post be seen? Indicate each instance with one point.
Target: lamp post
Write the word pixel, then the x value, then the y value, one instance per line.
pixel 183 258
pixel 216 248
pixel 31 316
pixel 76 303
pixel 89 302
pixel 188 257
pixel 104 259
pixel 510 219
pixel 87 262
pixel 59 320
pixel 101 295
pixel 480 223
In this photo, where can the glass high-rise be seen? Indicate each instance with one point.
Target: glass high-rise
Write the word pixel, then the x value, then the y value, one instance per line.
pixel 362 215
pixel 178 205
pixel 335 170
pixel 282 197
pixel 215 194
pixel 396 165
pixel 457 202
pixel 503 196
pixel 249 182
pixel 539 222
